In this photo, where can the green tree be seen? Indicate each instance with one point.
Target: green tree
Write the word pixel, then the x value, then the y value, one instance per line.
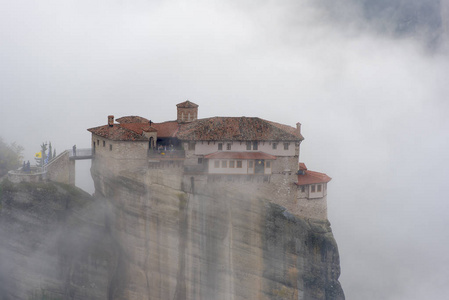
pixel 43 155
pixel 10 156
pixel 50 153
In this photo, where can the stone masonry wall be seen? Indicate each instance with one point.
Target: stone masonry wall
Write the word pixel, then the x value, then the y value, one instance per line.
pixel 62 169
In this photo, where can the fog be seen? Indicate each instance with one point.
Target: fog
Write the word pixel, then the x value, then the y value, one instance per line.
pixel 367 80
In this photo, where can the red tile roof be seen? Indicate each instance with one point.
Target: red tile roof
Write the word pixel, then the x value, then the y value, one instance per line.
pixel 139 128
pixel 186 104
pixel 291 130
pixel 239 155
pixel 117 133
pixel 209 129
pixel 302 166
pixel 132 119
pixel 237 129
pixel 312 177
pixel 166 129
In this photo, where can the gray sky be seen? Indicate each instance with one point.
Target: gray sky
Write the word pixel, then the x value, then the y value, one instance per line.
pixel 368 81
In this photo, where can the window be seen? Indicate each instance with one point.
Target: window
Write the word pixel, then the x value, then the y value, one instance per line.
pixel 231 163
pixel 110 147
pixel 275 146
pixel 248 145
pixel 303 189
pixel 220 146
pixel 104 144
pixel 251 164
pixel 224 163
pixel 200 160
pixel 239 164
pixel 268 164
pixel 228 146
pixel 286 146
pixel 217 164
pixel 98 142
pixel 319 188
pixel 313 188
pixel 192 146
pixel 255 146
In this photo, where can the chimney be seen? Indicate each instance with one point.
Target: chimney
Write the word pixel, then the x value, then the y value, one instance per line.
pixel 110 120
pixel 298 127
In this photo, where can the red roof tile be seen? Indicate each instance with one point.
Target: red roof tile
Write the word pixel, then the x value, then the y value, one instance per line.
pixel 240 155
pixel 302 166
pixel 236 129
pixel 132 119
pixel 311 177
pixel 139 128
pixel 209 129
pixel 186 104
pixel 117 133
pixel 166 129
pixel 291 130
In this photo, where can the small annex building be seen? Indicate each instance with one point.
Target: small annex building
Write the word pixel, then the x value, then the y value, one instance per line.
pixel 312 191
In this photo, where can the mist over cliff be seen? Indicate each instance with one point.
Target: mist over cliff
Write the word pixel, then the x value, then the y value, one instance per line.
pixel 54 244
pixel 367 79
pixel 142 238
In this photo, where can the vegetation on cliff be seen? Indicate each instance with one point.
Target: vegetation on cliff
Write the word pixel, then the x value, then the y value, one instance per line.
pixel 54 244
pixel 10 157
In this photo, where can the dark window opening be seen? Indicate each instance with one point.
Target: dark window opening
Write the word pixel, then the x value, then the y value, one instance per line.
pixel 255 146
pixel 228 146
pixel 110 147
pixel 286 146
pixel 275 146
pixel 248 145
pixel 220 146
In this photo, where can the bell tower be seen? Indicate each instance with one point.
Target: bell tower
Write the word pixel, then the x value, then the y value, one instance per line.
pixel 187 112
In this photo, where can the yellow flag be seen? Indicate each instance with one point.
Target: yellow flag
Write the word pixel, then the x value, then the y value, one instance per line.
pixel 38 155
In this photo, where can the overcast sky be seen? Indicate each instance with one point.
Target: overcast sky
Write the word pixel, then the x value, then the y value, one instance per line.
pixel 367 80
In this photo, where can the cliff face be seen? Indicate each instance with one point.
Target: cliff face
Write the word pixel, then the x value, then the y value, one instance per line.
pixel 53 243
pixel 147 236
pixel 218 242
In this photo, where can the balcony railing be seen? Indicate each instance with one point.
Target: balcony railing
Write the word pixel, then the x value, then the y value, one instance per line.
pixel 166 154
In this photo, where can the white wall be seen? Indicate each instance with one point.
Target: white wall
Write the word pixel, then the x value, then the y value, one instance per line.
pixel 317 194
pixel 203 148
pixel 245 169
pixel 228 170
